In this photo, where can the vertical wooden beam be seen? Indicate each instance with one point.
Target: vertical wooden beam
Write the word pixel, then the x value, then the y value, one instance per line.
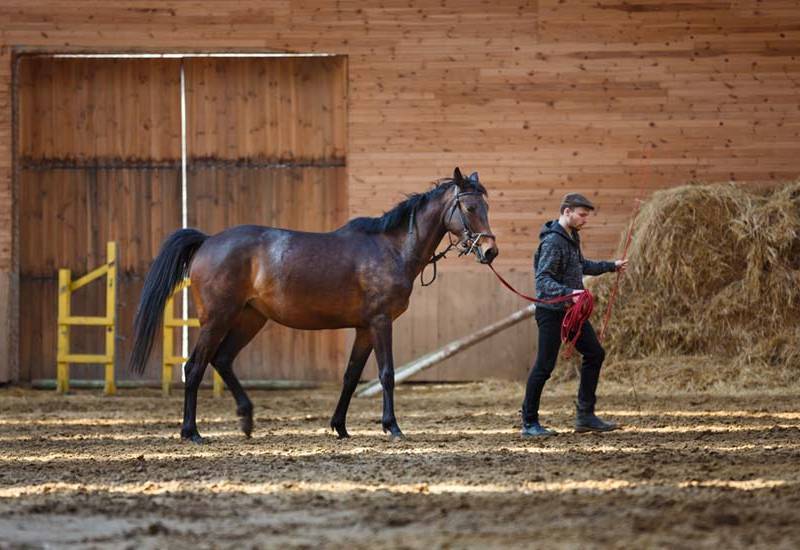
pixel 111 307
pixel 9 232
pixel 62 375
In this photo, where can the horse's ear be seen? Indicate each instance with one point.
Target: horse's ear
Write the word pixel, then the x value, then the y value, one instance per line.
pixel 473 177
pixel 457 177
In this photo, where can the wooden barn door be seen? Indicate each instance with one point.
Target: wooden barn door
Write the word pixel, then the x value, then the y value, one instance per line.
pixel 99 150
pixel 99 158
pixel 266 144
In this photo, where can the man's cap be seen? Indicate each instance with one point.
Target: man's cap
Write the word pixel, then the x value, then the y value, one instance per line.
pixel 574 200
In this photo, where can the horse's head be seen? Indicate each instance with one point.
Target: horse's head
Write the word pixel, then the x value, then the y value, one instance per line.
pixel 467 217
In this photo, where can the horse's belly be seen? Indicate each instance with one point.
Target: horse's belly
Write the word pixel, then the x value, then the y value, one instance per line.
pixel 328 296
pixel 307 315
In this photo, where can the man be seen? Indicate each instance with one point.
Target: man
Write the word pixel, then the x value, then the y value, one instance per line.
pixel 560 266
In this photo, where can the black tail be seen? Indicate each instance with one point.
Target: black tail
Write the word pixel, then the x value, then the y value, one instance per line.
pixel 169 268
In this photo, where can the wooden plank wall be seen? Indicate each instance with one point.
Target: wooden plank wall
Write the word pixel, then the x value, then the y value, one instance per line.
pixel 267 142
pixel 99 155
pixel 307 199
pixel 89 176
pixel 9 288
pixel 540 97
pixel 446 310
pixel 73 210
pixel 267 110
pixel 99 111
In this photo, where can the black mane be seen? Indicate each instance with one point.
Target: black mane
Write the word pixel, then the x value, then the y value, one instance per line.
pixel 401 212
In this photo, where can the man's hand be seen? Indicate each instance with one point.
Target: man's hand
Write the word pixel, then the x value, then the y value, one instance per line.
pixel 621 265
pixel 576 294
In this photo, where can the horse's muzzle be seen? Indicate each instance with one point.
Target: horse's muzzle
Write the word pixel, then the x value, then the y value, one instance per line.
pixel 482 245
pixel 487 254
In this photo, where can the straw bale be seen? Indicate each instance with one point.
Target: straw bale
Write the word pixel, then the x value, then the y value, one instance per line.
pixel 714 275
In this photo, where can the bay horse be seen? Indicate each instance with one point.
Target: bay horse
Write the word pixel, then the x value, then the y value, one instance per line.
pixel 360 276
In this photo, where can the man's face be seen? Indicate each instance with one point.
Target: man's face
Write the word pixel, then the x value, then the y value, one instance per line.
pixel 577 217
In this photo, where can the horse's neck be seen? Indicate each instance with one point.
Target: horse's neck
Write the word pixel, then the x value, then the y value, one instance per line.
pixel 418 245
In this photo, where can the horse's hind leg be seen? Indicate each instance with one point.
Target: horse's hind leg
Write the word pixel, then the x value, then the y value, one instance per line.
pixel 247 325
pixel 362 347
pixel 211 334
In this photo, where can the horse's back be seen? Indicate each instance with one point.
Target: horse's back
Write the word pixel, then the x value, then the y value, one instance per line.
pixel 246 247
pixel 300 279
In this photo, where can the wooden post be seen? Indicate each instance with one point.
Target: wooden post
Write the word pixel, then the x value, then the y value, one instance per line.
pixel 167 352
pixel 111 303
pixel 62 351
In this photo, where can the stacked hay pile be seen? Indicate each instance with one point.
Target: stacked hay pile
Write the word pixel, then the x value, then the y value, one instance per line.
pixel 715 275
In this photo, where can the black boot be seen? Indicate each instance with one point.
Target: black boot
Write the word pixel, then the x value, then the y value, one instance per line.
pixel 534 429
pixel 587 421
pixel 531 426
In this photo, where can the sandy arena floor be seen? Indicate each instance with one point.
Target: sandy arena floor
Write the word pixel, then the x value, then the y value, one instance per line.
pixel 686 472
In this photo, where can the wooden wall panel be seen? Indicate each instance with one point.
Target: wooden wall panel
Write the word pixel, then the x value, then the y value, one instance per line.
pixel 9 345
pixel 69 216
pixel 290 110
pixel 304 199
pixel 6 166
pixel 456 305
pixel 541 97
pixel 99 145
pixel 99 110
pixel 9 278
pixel 267 144
pixel 285 354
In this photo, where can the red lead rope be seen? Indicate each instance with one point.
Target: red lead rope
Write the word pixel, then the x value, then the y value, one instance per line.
pixel 575 317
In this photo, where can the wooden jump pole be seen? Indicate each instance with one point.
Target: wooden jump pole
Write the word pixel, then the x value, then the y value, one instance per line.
pixel 431 359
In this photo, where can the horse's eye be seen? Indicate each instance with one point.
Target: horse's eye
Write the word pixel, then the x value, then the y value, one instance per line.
pixel 470 209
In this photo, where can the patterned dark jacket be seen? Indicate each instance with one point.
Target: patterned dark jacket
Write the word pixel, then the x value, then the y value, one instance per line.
pixel 559 264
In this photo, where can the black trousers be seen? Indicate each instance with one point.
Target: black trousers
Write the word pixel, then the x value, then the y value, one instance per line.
pixel 549 322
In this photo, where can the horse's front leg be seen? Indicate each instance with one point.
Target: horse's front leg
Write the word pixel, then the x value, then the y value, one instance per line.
pixel 381 336
pixel 362 347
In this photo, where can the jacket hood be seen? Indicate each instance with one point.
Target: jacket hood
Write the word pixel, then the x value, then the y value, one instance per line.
pixel 554 227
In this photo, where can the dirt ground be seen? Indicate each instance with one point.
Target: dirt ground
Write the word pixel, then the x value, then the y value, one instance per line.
pixel 688 470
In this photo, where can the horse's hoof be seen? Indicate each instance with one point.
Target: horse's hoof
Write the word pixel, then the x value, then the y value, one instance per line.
pixel 195 438
pixel 246 423
pixel 341 431
pixel 396 436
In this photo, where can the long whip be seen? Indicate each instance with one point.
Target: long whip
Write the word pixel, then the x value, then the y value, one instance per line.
pixel 614 289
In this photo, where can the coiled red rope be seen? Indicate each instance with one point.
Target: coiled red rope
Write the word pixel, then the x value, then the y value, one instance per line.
pixel 575 317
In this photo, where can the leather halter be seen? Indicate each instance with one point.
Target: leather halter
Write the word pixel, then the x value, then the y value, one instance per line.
pixel 469 236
